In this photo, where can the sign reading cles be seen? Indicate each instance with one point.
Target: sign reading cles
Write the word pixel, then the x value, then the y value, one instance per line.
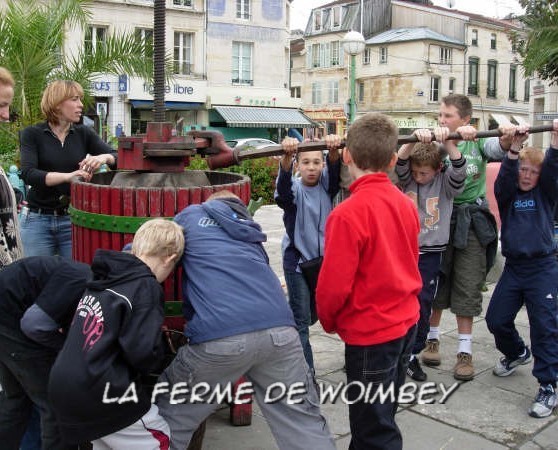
pixel 100 85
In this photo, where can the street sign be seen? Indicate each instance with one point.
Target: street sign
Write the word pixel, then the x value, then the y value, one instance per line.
pixel 546 116
pixel 123 84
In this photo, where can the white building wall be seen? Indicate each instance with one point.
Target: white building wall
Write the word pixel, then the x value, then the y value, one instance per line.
pixel 266 30
pixel 401 87
pixel 501 104
pixel 214 33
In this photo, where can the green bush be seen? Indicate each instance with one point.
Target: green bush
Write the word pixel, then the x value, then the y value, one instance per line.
pixel 8 145
pixel 262 173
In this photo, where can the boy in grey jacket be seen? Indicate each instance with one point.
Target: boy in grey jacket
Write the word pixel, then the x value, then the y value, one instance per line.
pixel 432 187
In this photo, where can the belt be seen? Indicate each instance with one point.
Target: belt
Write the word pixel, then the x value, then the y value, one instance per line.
pixel 50 211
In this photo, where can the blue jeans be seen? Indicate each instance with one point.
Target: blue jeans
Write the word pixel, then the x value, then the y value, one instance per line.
pixel 299 301
pixel 45 235
pixel 373 424
pixel 32 438
pixel 267 357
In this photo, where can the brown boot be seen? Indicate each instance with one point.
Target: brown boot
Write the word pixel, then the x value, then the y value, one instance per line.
pixel 463 369
pixel 431 354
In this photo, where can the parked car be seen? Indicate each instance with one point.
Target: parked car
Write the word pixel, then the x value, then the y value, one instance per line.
pixel 256 143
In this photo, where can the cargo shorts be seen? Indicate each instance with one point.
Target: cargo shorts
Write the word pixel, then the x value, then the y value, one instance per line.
pixel 461 285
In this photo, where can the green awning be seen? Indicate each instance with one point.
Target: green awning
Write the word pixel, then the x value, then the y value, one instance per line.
pixel 254 117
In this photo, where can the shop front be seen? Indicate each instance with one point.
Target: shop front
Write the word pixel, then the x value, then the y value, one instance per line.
pixel 251 113
pixel 107 109
pixel 184 104
pixel 330 121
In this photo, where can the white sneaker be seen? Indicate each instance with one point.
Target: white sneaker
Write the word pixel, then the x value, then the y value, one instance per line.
pixel 544 403
pixel 505 367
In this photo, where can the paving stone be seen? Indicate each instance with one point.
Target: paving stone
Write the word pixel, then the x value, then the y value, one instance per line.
pixel 487 413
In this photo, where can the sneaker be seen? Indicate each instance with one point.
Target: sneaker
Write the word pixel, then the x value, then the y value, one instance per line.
pixel 544 403
pixel 431 354
pixel 415 371
pixel 463 369
pixel 505 366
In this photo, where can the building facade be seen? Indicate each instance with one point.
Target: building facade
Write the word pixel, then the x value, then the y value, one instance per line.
pixel 409 64
pixel 230 67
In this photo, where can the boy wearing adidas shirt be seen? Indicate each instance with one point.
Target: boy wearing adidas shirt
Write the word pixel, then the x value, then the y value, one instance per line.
pixel 526 191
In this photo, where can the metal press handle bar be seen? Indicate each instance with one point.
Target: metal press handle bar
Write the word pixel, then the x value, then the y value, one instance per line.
pixel 277 150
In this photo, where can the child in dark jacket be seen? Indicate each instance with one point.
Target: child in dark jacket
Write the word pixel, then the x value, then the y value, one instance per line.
pixel 95 384
pixel 526 192
pixel 38 298
pixel 306 199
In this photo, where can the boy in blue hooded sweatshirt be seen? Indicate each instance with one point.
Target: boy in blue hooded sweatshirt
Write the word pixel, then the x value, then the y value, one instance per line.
pixel 238 322
pixel 526 192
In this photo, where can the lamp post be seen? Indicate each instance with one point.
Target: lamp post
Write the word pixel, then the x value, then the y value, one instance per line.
pixel 353 44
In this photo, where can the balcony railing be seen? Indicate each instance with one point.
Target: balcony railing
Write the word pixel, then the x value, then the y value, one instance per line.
pixel 491 92
pixel 473 90
pixel 241 81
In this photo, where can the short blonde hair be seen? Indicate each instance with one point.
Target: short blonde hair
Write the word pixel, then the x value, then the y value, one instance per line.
pixel 6 77
pixel 160 238
pixel 533 155
pixel 55 93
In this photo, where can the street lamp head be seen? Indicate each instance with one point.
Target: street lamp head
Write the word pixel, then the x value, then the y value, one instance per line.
pixel 353 43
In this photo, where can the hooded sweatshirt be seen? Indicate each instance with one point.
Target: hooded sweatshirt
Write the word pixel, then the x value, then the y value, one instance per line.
pixel 229 287
pixel 114 339
pixel 527 217
pixel 51 283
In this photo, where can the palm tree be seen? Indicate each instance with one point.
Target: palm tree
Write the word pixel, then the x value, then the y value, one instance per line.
pixel 31 41
pixel 539 47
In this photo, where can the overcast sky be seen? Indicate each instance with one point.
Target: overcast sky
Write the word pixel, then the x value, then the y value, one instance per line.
pixel 491 8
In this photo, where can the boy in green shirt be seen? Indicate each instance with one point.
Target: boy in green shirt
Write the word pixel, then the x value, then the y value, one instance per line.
pixel 471 248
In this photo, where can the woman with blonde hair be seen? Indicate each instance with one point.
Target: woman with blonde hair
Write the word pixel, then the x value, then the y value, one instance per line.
pixel 11 248
pixel 52 153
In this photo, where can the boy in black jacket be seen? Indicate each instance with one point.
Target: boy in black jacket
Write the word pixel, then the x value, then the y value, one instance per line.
pixel 95 384
pixel 526 192
pixel 38 298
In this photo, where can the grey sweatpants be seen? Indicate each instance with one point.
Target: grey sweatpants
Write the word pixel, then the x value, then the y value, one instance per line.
pixel 266 357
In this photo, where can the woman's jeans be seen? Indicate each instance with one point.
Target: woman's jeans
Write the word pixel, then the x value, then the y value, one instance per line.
pixel 44 234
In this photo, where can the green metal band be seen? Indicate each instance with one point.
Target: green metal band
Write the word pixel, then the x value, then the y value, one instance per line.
pixel 106 222
pixel 173 309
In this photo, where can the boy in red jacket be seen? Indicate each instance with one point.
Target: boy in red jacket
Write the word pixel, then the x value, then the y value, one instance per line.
pixel 369 282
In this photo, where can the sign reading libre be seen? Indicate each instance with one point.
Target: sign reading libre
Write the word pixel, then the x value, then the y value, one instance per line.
pixel 175 89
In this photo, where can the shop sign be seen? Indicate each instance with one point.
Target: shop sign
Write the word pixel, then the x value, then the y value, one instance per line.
pixel 122 84
pixel 100 86
pixel 179 90
pixel 238 100
pixel 175 89
pixel 326 115
pixel 415 122
pixel 548 116
pixel 538 90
